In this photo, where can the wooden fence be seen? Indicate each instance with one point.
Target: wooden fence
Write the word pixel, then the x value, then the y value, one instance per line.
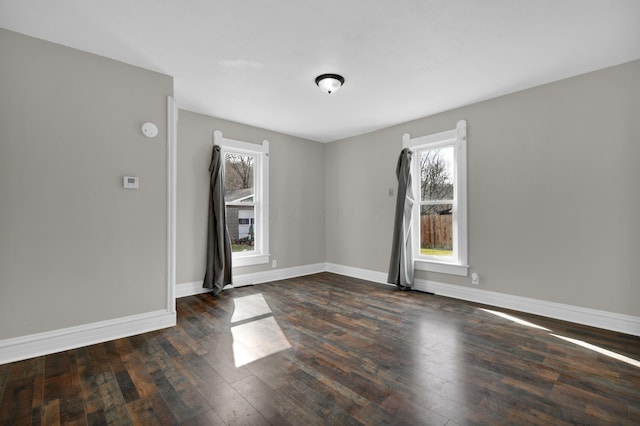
pixel 436 231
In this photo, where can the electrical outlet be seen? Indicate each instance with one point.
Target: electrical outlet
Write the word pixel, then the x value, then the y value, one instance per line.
pixel 475 278
pixel 274 263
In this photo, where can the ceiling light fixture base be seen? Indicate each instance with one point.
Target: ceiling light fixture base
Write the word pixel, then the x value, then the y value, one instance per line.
pixel 329 83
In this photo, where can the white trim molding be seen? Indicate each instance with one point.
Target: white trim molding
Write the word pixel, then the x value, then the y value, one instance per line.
pixel 457 263
pixel 190 289
pixel 441 267
pixel 33 345
pixel 241 280
pixel 277 274
pixel 363 274
pixel 260 255
pixel 172 173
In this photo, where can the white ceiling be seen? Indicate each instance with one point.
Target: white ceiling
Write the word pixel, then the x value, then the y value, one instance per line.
pixel 254 61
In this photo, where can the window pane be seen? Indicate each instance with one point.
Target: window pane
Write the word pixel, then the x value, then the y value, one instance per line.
pixel 436 174
pixel 241 225
pixel 436 230
pixel 238 178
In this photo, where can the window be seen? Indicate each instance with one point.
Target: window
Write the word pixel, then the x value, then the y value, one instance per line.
pixel 439 220
pixel 246 174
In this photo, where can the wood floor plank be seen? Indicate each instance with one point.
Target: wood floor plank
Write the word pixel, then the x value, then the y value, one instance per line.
pixel 127 387
pixel 38 385
pixel 183 401
pixel 97 418
pixel 271 403
pixel 140 377
pixel 16 404
pixel 356 353
pixel 221 396
pixel 4 376
pixel 51 412
pixel 339 395
pixel 72 411
pixel 150 411
pixel 208 418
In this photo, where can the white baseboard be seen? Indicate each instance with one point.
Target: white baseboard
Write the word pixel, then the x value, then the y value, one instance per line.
pixel 241 280
pixel 363 274
pixel 33 345
pixel 278 274
pixel 592 317
pixel 190 289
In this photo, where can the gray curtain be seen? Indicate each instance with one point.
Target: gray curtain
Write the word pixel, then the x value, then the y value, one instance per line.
pixel 401 264
pixel 218 272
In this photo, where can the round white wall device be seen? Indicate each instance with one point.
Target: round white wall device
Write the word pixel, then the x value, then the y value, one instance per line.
pixel 150 130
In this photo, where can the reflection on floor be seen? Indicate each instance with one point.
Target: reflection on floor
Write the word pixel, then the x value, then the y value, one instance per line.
pixel 247 307
pixel 600 350
pixel 255 338
pixel 578 342
pixel 514 319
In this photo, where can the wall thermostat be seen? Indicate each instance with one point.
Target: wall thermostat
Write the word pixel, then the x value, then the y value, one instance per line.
pixel 150 130
pixel 130 182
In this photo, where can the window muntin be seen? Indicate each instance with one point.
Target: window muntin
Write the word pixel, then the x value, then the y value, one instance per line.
pixel 439 220
pixel 246 171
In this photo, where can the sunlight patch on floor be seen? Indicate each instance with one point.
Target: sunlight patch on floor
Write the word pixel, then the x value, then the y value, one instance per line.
pixel 254 340
pixel 600 350
pixel 581 343
pixel 257 339
pixel 247 307
pixel 514 319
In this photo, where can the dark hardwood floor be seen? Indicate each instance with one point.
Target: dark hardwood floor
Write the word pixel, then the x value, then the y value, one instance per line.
pixel 327 349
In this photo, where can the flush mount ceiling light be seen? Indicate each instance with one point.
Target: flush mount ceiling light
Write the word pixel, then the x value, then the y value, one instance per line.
pixel 329 82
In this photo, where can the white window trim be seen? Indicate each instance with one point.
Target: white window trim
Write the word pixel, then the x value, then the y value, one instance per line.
pixel 261 254
pixel 458 139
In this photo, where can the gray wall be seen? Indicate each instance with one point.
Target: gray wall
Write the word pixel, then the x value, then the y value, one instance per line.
pixel 296 195
pixel 552 181
pixel 553 192
pixel 75 247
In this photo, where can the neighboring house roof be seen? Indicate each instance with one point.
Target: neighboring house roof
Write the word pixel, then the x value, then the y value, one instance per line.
pixel 239 195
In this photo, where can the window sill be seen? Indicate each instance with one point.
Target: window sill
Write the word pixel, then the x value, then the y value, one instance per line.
pixel 442 267
pixel 257 259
